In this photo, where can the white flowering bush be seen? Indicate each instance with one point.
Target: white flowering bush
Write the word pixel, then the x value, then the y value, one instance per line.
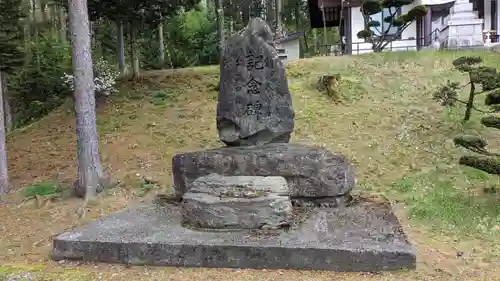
pixel 104 78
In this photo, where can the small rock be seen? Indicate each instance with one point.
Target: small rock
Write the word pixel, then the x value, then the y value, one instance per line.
pixel 459 254
pixel 149 180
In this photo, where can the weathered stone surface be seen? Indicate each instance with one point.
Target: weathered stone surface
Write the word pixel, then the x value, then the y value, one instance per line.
pixel 310 171
pixel 241 202
pixel 254 105
pixel 363 237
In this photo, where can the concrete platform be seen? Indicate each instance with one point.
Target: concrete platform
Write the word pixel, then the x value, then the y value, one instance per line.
pixel 363 237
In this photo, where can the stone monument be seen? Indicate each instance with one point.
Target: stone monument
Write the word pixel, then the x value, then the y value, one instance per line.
pixel 254 105
pixel 260 202
pixel 464 28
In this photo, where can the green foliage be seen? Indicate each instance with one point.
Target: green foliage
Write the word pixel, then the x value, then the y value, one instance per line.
pixel 193 38
pixel 488 79
pixel 143 189
pixel 395 3
pixel 161 97
pixel 43 189
pixel 366 33
pixel 491 121
pixel 467 63
pixel 447 94
pixel 384 33
pixel 371 7
pixel 487 164
pixel 39 89
pixel 492 98
pixel 138 13
pixel 373 23
pixel 417 12
pixel 433 197
pixel 11 52
pixel 470 142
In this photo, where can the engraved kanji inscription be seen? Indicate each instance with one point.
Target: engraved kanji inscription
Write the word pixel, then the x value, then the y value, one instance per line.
pixel 254 61
pixel 253 108
pixel 253 86
pixel 239 61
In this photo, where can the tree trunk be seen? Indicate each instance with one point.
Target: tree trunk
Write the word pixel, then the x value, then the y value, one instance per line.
pixel 27 41
pixel 120 47
pixel 135 54
pixel 168 50
pixel 4 177
pixel 470 102
pixel 297 16
pixel 220 26
pixel 7 105
pixel 245 15
pixel 306 42
pixel 278 7
pixel 325 43
pixel 90 173
pixel 43 10
pixel 35 28
pixel 62 24
pixel 231 16
pixel 315 39
pixel 161 42
pixel 269 12
pixel 53 22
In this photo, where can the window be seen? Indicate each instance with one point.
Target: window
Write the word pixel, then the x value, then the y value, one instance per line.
pixel 384 26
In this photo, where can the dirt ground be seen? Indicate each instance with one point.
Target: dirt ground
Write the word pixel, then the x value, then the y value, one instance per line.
pixel 138 138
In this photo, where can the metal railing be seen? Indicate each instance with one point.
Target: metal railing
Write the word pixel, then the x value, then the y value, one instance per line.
pixel 411 43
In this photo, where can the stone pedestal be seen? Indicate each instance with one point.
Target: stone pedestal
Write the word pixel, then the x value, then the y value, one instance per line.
pixel 464 28
pixel 240 202
pixel 260 203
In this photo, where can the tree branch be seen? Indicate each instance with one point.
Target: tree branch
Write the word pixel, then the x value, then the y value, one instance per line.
pixel 398 33
pixel 487 92
pixel 475 108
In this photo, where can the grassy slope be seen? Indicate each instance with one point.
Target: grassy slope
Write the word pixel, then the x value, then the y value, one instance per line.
pixel 398 139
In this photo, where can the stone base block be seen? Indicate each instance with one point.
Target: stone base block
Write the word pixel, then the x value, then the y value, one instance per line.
pixel 241 202
pixel 362 237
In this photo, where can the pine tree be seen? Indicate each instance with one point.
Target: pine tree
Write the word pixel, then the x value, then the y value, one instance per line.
pixel 483 80
pixel 11 53
pixel 381 34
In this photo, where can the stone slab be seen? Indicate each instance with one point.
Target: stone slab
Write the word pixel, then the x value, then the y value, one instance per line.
pixel 310 171
pixel 364 237
pixel 239 202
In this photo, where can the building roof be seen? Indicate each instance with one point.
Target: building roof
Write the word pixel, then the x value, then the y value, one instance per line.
pixel 290 36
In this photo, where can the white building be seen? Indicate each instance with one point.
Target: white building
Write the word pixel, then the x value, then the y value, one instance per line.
pixel 289 46
pixel 454 23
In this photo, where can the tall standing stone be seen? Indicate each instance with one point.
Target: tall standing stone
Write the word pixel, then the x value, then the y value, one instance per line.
pixel 255 105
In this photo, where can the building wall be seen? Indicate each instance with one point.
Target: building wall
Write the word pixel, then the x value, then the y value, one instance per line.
pixel 359 46
pixel 292 48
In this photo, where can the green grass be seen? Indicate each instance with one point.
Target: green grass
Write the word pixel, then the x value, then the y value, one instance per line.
pixel 435 201
pixel 44 189
pixel 389 97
